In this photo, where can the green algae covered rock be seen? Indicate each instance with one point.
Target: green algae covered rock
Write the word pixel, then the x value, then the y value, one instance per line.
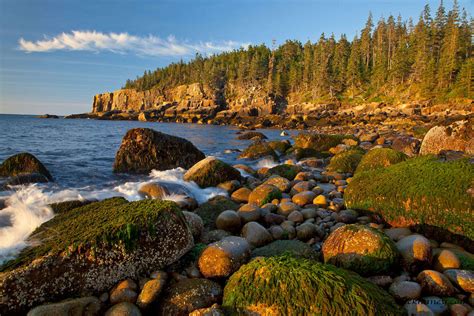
pixel 258 149
pixel 23 163
pixel 293 286
pixel 422 191
pixel 294 248
pixel 285 171
pixel 211 171
pixel 91 248
pixel 210 210
pixel 346 161
pixel 280 145
pixel 263 194
pixel 380 158
pixel 318 142
pixel 362 249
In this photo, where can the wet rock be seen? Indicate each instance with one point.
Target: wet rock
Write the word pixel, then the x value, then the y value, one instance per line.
pixel 22 164
pixel 435 283
pixel 256 234
pixel 151 291
pixel 405 290
pixel 283 184
pixel 381 280
pixel 229 186
pixel 302 186
pixel 347 216
pixel 187 295
pixel 144 149
pixel 153 191
pixel 123 309
pixel 229 221
pixel 416 252
pixel 210 172
pixel 320 201
pixel 74 307
pixel 258 149
pixel 224 257
pixel 241 195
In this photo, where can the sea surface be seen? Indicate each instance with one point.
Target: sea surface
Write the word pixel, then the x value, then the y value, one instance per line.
pixel 79 153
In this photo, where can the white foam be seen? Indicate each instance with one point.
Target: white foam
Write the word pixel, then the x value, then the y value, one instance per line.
pixel 266 163
pixel 28 205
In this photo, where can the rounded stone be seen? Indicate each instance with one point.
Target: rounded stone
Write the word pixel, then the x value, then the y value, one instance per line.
pixel 241 195
pixel 229 221
pixel 256 234
pixel 397 233
pixel 405 290
pixel 151 291
pixel 435 283
pixel 445 259
pixel 249 213
pixel 320 201
pixel 153 191
pixel 195 223
pixel 283 184
pixel 347 216
pixel 296 217
pixel 264 193
pixel 123 309
pixel 125 291
pixel 416 252
pixel 303 198
pixel 464 279
pixel 306 231
pixel 285 208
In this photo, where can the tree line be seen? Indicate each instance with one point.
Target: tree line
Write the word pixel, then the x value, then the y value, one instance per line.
pixel 388 60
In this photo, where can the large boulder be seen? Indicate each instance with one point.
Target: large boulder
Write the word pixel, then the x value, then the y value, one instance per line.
pixel 458 136
pixel 380 158
pixel 90 248
pixel 211 171
pixel 144 149
pixel 293 286
pixel 363 249
pixel 21 164
pixel 422 192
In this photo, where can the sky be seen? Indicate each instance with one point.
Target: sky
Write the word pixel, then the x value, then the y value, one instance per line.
pixel 55 55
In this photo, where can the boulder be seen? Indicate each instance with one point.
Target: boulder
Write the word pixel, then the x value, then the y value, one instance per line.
pixel 187 295
pixel 229 221
pixel 66 206
pixel 224 257
pixel 346 161
pixel 241 195
pixel 249 213
pixel 410 146
pixel 258 149
pixel 415 251
pixel 73 307
pixel 421 192
pixel 211 171
pixel 256 234
pixel 24 163
pixel 264 193
pixel 153 191
pixel 360 248
pixel 285 170
pixel 285 285
pixel 144 149
pixel 303 198
pixel 80 248
pixel 435 283
pixel 458 136
pixel 380 158
pixel 464 279
pixel 283 184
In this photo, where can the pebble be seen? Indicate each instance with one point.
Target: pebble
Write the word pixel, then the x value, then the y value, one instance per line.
pixel 320 201
pixel 124 292
pixel 296 217
pixel 308 213
pixel 249 213
pixel 285 208
pixel 151 290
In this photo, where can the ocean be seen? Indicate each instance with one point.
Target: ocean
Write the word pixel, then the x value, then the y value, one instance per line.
pixel 79 153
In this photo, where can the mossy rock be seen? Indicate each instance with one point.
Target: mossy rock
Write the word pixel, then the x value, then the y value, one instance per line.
pixel 280 145
pixel 380 158
pixel 293 286
pixel 251 134
pixel 212 208
pixel 362 249
pixel 211 171
pixel 346 161
pixel 293 248
pixel 319 142
pixel 91 248
pixel 66 206
pixel 418 191
pixel 301 153
pixel 263 194
pixel 258 149
pixel 23 163
pixel 285 171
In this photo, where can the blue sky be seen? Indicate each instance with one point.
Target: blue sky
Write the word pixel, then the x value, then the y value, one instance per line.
pixel 106 42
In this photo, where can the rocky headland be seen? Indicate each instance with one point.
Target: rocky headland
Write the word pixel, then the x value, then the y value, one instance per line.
pixel 367 223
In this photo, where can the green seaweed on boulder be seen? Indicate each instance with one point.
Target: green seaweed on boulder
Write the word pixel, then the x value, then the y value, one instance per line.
pixel 418 191
pixel 293 248
pixel 319 142
pixel 293 286
pixel 111 221
pixel 380 158
pixel 65 206
pixel 346 161
pixel 257 150
pixel 285 171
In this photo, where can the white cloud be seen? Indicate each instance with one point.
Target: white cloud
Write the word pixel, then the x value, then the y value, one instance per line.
pixel 123 43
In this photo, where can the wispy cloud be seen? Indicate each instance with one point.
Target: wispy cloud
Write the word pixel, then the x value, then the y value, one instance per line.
pixel 123 43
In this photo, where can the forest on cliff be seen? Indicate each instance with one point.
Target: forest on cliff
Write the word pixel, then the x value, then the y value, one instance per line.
pixel 390 60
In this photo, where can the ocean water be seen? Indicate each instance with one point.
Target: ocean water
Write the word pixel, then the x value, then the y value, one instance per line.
pixel 79 154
